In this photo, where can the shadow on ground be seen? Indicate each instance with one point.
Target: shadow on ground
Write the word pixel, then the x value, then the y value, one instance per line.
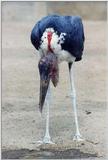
pixel 45 153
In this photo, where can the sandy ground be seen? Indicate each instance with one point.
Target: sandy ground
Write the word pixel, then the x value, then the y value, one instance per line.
pixel 22 124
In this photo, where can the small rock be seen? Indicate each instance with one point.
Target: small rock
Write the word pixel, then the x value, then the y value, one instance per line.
pixel 33 121
pixel 88 112
pixel 82 144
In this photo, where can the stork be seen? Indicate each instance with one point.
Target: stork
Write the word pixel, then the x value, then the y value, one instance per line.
pixel 57 38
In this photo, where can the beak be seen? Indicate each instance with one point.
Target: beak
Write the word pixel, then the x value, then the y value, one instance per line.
pixel 48 69
pixel 43 91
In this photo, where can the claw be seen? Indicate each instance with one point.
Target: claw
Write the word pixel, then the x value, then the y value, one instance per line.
pixel 46 140
pixel 78 137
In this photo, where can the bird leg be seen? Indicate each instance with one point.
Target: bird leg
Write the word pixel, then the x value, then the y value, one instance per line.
pixel 47 138
pixel 77 136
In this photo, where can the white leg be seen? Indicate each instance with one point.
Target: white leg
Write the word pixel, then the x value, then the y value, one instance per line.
pixel 47 138
pixel 73 95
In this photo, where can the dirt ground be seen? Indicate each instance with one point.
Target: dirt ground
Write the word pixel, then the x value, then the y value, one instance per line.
pixel 22 124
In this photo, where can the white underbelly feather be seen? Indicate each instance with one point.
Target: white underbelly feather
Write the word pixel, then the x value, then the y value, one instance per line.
pixel 61 54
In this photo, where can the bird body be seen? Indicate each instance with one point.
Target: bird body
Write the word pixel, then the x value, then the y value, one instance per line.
pixel 67 40
pixel 58 38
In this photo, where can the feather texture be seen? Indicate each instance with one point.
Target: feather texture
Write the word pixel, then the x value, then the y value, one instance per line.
pixel 67 39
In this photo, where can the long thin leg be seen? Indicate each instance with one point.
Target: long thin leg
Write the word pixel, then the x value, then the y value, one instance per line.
pixel 47 138
pixel 73 95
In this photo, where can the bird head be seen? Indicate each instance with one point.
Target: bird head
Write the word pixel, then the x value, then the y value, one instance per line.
pixel 48 69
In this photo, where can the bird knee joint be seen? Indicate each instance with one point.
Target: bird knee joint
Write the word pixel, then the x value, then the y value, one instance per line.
pixel 73 94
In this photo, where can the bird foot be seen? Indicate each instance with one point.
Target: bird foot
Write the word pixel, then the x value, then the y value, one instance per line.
pixel 78 137
pixel 46 140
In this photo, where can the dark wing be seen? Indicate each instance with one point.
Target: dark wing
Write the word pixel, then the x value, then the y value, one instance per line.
pixel 74 42
pixel 35 36
pixel 71 25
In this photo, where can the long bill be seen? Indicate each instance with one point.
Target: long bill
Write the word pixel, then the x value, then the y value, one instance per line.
pixel 43 92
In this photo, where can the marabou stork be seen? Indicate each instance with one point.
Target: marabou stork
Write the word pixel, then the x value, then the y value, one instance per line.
pixel 58 38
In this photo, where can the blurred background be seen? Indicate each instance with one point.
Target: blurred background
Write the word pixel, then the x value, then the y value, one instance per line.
pixel 22 125
pixel 29 11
